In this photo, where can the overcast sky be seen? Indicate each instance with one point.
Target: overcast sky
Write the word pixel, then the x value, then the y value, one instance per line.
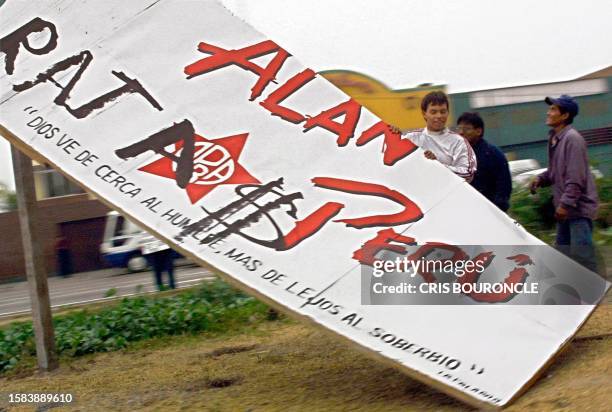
pixel 468 45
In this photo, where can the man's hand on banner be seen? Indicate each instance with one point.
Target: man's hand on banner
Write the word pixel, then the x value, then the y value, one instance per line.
pixel 533 185
pixel 429 154
pixel 394 129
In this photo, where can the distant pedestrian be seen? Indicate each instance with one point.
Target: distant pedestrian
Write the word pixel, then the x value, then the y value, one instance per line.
pixel 574 192
pixel 64 258
pixel 438 142
pixel 492 178
pixel 161 258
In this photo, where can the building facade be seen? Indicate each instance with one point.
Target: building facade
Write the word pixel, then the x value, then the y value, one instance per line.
pixel 65 210
pixel 515 116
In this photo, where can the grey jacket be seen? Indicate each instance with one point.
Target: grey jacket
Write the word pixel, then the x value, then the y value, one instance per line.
pixel 569 174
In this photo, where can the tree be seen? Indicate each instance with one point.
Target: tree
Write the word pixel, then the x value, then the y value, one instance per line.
pixel 8 199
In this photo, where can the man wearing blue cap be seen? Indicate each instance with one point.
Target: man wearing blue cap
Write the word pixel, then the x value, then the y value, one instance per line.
pixel 574 191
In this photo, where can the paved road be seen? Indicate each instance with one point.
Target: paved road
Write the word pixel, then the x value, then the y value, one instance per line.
pixel 93 287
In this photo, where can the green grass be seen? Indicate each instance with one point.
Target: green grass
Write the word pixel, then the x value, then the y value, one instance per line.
pixel 214 307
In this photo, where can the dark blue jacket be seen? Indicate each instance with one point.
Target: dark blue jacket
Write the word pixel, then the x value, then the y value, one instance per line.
pixel 492 177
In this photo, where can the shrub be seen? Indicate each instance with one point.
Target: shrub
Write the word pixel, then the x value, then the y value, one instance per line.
pixel 536 212
pixel 213 307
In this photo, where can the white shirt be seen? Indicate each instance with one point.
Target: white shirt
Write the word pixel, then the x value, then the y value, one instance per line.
pixel 451 149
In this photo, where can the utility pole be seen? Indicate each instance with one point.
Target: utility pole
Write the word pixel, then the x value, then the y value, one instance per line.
pixel 35 268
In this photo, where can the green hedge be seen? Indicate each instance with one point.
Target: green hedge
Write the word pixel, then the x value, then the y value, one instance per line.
pixel 536 212
pixel 213 307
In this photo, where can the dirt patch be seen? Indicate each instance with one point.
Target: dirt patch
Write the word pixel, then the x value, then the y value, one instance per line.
pixel 288 366
pixel 228 350
pixel 222 382
pixel 600 322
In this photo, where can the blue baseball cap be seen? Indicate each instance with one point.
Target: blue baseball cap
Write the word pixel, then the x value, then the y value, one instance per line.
pixel 567 103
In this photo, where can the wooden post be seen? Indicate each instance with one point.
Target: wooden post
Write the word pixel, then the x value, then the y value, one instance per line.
pixel 35 268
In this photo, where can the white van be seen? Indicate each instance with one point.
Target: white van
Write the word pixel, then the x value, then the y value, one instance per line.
pixel 521 166
pixel 121 244
pixel 523 179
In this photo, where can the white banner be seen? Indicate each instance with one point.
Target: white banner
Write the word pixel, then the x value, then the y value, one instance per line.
pixel 217 140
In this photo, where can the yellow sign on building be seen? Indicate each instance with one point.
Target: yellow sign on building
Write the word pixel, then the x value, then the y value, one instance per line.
pixel 401 108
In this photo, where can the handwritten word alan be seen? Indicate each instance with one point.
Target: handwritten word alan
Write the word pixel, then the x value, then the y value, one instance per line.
pixel 394 147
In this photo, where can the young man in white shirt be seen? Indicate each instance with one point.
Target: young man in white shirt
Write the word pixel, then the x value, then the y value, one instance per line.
pixel 438 142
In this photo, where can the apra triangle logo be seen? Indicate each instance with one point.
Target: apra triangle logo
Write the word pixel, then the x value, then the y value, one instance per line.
pixel 215 163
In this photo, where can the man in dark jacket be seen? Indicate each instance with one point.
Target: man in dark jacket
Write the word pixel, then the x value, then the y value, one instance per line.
pixel 492 177
pixel 573 185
